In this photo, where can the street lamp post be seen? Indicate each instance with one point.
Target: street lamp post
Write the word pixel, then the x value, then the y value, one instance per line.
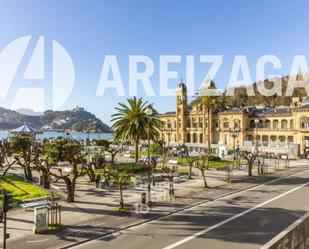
pixel 256 142
pixel 235 133
pixel 150 168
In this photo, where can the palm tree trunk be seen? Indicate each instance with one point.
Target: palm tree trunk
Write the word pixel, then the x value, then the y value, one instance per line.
pixel 136 150
pixel 208 135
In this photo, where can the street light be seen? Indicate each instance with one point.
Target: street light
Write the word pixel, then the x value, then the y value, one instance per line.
pixel 256 142
pixel 149 113
pixel 235 132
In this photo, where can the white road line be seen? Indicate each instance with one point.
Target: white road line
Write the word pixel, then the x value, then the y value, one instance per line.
pixel 183 241
pixel 285 232
pixel 193 207
pixel 37 241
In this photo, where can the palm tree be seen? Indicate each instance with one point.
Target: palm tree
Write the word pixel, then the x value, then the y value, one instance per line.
pixel 131 122
pixel 209 101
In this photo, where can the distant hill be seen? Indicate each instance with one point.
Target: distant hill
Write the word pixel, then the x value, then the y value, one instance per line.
pixel 76 119
pixel 241 98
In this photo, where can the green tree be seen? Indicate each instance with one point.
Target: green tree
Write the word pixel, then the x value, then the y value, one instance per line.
pixel 208 98
pixel 65 150
pixel 102 142
pixel 41 165
pixel 157 147
pixel 190 160
pixel 20 147
pixel 122 178
pixel 202 165
pixel 170 170
pixel 250 158
pixel 130 122
pixel 5 157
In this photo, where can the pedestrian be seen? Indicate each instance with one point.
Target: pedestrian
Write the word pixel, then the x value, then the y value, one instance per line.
pixel 97 180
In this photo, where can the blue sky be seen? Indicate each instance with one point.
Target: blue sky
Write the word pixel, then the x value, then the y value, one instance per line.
pixel 90 30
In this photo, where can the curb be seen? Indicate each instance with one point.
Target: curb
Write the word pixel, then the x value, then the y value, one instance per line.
pixel 157 217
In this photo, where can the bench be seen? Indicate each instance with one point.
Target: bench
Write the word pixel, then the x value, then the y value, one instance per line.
pixel 36 202
pixel 174 162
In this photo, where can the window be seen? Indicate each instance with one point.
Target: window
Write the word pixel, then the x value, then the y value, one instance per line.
pixel 284 124
pixel 225 139
pixel 194 138
pixel 200 123
pixel 226 125
pixel 291 124
pixel 188 138
pixel 252 124
pixel 201 138
pixel 304 123
pixel 276 124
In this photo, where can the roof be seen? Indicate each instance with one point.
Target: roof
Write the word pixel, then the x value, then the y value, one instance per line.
pixel 234 109
pixel 167 114
pixel 271 111
pixel 24 128
pixel 303 106
pixel 182 85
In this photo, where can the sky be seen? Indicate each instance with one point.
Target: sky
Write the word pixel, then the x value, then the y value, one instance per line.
pixel 91 30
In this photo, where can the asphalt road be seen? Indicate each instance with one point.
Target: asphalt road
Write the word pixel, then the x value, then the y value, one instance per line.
pixel 247 220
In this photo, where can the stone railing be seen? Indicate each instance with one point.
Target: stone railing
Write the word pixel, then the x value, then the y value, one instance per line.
pixel 296 236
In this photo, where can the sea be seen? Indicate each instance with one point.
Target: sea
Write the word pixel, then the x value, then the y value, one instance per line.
pixel 71 134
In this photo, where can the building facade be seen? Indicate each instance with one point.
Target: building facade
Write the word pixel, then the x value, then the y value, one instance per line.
pixel 270 128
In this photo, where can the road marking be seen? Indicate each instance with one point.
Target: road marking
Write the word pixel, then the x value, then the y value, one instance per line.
pixel 183 241
pixel 204 204
pixel 285 232
pixel 73 245
pixel 36 241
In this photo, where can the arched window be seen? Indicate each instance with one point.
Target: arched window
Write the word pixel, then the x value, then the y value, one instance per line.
pixel 252 123
pixel 267 123
pixel 189 138
pixel 284 124
pixel 201 138
pixel 275 124
pixel 194 138
pixel 291 124
pixel 304 123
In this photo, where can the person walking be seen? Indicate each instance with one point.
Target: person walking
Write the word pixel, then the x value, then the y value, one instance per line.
pixel 97 180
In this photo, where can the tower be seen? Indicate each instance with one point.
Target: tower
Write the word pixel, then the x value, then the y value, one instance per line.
pixel 181 112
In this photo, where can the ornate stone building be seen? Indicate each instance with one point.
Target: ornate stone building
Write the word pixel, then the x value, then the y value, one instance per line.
pixel 273 129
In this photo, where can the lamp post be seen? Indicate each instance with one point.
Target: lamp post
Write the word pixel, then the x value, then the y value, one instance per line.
pixel 235 133
pixel 149 112
pixel 256 142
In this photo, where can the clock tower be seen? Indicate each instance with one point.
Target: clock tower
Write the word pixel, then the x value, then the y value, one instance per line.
pixel 181 112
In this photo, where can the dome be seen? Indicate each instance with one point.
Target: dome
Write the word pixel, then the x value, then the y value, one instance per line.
pixel 305 101
pixel 209 84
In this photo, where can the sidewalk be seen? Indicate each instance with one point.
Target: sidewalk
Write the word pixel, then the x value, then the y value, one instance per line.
pixel 92 214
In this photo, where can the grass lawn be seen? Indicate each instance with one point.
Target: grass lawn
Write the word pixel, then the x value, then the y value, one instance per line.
pixel 21 190
pixel 212 164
